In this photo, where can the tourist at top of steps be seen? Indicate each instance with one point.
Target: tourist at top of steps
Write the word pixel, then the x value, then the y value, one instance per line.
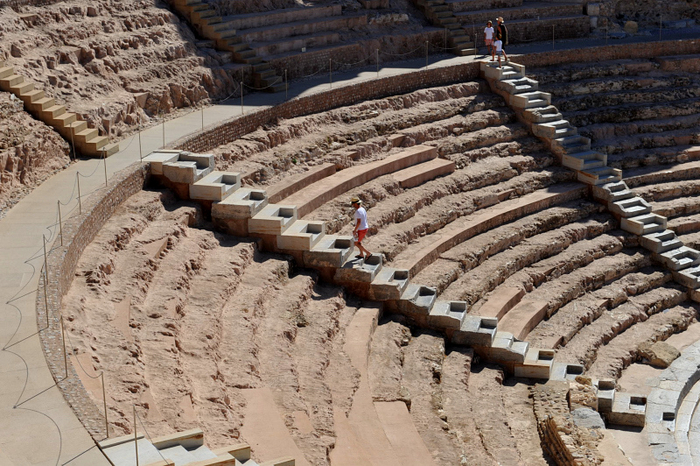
pixel 488 37
pixel 361 227
pixel 501 30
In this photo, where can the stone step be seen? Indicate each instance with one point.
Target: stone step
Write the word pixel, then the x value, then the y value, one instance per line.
pixel 476 331
pixel 64 120
pixel 566 371
pixel 571 145
pixel 231 214
pixel 85 135
pixel 273 219
pixel 423 172
pixel 447 315
pixel 465 52
pixel 301 235
pixel 630 207
pixel 22 87
pixel 477 5
pixel 8 81
pixel 661 241
pixel 50 114
pixel 531 10
pixel 331 251
pixel 517 85
pixel 530 99
pixel 390 283
pixel 282 16
pixel 359 271
pixel 680 258
pixel 41 104
pixel 612 192
pixel 644 224
pixel 94 145
pixel 542 114
pixel 216 186
pixel 303 27
pixel 32 96
pixel 537 364
pixel 188 168
pixel 554 129
pixel 506 348
pixel 6 71
pixel 584 160
pixel 296 43
pixel 417 300
pixel 490 70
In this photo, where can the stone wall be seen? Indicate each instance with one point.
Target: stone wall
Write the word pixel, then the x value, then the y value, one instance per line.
pixel 436 76
pixel 78 232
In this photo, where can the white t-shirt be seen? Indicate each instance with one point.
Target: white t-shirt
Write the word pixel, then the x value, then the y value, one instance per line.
pixel 489 33
pixel 499 45
pixel 361 213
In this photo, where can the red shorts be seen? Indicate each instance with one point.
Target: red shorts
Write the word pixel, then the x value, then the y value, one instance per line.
pixel 488 41
pixel 361 235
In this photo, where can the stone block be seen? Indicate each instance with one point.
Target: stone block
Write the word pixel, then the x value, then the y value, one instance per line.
pixel 240 451
pixel 156 159
pixel 518 85
pixel 537 364
pixel 531 99
pixel 630 207
pixel 661 241
pixel 500 303
pixel 612 192
pixel 396 140
pixel 330 251
pixel 506 348
pixel 359 270
pixel 584 160
pixel 273 219
pixel 628 410
pixel 565 371
pixel 606 395
pixel 644 224
pixel 189 439
pixel 689 277
pixel 600 175
pixel 542 114
pixel 593 9
pixel 216 186
pixel 447 314
pixel 291 184
pixel 659 354
pixel 679 259
pixel 243 203
pixel 426 171
pixel 631 27
pixel 417 299
pixel 389 283
pixel 476 331
pixel 301 235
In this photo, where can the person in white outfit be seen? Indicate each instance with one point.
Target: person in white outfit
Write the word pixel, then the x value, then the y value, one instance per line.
pixel 488 38
pixel 361 227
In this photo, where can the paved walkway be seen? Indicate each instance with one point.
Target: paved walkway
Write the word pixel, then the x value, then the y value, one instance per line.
pixel 37 427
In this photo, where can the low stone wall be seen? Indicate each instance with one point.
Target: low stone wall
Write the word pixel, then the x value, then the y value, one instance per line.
pixel 437 75
pixel 78 232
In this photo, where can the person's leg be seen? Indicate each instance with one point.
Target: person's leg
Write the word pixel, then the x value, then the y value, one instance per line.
pixel 499 59
pixel 505 56
pixel 363 251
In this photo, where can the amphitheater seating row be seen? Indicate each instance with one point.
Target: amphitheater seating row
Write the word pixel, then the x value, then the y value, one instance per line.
pixel 86 140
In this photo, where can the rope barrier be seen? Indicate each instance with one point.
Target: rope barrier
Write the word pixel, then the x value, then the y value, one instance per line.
pixel 146 431
pixel 279 78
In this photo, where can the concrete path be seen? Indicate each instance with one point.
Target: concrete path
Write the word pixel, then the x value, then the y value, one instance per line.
pixel 36 425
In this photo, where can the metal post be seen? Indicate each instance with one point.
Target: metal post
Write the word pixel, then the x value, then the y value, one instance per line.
pixel 286 86
pixel 65 355
pixel 60 222
pixel 80 201
pixel 377 63
pixel 330 72
pixel 136 438
pixel 72 140
pixel 104 403
pixel 46 282
pixel 242 112
pixel 426 54
pixel 104 159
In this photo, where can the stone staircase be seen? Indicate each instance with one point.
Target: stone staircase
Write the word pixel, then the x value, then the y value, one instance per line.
pixel 180 449
pixel 86 140
pixel 440 14
pixel 248 212
pixel 634 213
pixel 205 20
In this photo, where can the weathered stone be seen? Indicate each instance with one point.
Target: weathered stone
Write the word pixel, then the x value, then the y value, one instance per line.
pixel 588 418
pixel 631 27
pixel 659 354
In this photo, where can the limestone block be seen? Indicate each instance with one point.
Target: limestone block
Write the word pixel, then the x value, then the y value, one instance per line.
pixel 517 85
pixel 490 70
pixel 531 99
pixel 273 219
pixel 600 175
pixel 679 259
pixel 447 314
pixel 631 27
pixel 159 157
pixel 612 192
pixel 240 451
pixel 588 418
pixel 644 224
pixel 660 354
pixel 359 270
pixel 181 172
pixel 216 186
pixel 537 364
pixel 542 114
pixel 689 277
pixel 630 207
pixel 389 283
pixel 593 9
pixel 554 129
pixel 330 251
pixel 243 203
pixel 301 235
pixel 564 371
pixel 476 331
pixel 189 439
pixel 396 139
pixel 606 395
pixel 584 160
pixel 499 304
pixel 506 348
pixel 628 410
pixel 661 241
pixel 417 299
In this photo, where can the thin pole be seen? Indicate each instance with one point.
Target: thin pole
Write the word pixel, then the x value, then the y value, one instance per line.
pixel 475 42
pixel 72 140
pixel 104 159
pixel 80 201
pixel 104 403
pixel 60 221
pixel 46 281
pixel 377 63
pixel 426 54
pixel 286 86
pixel 136 438
pixel 242 112
pixel 606 35
pixel 445 44
pixel 330 72
pixel 65 355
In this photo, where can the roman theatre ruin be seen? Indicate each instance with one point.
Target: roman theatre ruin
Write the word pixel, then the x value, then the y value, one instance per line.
pixel 179 284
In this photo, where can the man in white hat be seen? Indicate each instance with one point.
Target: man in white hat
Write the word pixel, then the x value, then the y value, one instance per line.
pixel 360 230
